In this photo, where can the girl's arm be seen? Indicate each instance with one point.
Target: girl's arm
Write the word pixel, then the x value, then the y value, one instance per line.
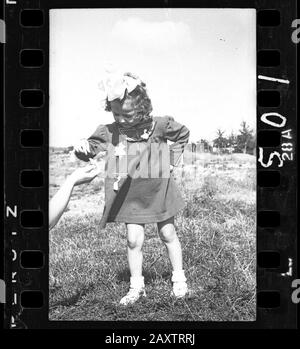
pixel 89 148
pixel 179 134
pixel 60 200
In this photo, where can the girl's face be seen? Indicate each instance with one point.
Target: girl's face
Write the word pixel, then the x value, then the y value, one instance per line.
pixel 124 112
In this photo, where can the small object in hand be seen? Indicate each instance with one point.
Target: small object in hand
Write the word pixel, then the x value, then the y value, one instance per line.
pixel 93 163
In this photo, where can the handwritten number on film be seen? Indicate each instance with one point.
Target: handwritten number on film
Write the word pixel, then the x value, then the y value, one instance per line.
pixel 287 147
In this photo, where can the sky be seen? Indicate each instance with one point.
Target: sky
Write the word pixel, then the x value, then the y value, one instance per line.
pixel 199 66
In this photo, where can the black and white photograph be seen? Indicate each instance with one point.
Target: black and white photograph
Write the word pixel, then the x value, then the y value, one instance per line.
pixel 152 164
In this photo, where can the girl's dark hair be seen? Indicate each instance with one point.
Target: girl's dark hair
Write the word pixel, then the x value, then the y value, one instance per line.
pixel 143 105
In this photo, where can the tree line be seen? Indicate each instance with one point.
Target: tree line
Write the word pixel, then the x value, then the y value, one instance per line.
pixel 242 142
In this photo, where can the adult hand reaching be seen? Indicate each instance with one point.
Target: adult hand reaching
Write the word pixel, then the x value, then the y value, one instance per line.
pixel 61 199
pixel 85 174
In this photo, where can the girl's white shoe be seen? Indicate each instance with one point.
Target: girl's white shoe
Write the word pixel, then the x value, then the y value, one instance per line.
pixel 136 291
pixel 180 289
pixel 132 296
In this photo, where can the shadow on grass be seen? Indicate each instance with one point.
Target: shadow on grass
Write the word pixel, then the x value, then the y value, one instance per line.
pixel 71 300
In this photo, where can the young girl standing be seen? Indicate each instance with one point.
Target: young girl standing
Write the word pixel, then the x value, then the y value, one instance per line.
pixel 139 184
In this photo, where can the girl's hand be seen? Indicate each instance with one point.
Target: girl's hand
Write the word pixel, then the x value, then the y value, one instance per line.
pixel 85 174
pixel 83 146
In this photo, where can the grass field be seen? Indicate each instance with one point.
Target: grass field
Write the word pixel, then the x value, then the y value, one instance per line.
pixel 88 267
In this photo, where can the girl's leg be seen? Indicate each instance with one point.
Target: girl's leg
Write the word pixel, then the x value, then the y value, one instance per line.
pixel 168 235
pixel 135 240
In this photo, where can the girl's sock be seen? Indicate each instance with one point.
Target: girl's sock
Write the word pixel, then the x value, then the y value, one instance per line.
pixel 178 276
pixel 180 288
pixel 137 282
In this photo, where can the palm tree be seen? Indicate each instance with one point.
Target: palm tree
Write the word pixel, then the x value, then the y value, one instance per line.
pixel 232 141
pixel 220 142
pixel 245 136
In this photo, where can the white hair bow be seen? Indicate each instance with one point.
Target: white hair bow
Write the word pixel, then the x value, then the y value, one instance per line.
pixel 114 84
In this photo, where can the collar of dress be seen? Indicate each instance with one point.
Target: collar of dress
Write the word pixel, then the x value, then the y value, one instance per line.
pixel 139 133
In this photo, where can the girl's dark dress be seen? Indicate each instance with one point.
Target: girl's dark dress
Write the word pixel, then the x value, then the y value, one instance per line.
pixel 140 199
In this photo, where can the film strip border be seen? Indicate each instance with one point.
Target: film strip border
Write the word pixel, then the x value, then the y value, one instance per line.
pixel 276 202
pixel 26 159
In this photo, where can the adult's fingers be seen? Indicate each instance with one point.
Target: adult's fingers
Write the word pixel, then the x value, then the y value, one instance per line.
pixel 92 169
pixel 95 172
pixel 93 162
pixel 88 168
